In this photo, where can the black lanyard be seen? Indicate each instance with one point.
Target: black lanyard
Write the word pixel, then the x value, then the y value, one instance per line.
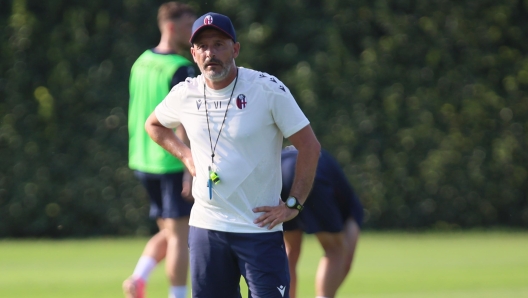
pixel 213 149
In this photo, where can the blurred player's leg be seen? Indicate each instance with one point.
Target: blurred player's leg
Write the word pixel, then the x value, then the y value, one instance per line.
pixel 335 264
pixel 177 257
pixel 134 287
pixel 352 232
pixel 293 242
pixel 331 269
pixel 153 253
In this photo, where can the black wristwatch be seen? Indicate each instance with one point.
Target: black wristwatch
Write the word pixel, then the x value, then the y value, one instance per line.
pixel 291 202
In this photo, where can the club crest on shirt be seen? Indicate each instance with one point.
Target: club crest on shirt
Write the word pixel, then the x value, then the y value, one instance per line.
pixel 241 101
pixel 198 103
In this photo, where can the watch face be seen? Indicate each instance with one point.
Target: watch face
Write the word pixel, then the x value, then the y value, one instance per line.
pixel 290 202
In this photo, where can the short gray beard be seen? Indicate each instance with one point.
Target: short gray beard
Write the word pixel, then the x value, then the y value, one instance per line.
pixel 218 76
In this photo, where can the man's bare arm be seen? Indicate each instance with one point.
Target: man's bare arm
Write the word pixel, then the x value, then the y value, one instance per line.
pixel 186 193
pixel 167 139
pixel 181 133
pixel 309 149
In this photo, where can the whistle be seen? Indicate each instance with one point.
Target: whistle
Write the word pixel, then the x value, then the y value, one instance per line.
pixel 214 177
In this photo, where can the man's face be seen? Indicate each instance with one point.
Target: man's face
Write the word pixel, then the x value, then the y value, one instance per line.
pixel 215 53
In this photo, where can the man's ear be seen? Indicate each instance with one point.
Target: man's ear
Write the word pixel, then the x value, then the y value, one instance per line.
pixel 192 54
pixel 236 49
pixel 170 27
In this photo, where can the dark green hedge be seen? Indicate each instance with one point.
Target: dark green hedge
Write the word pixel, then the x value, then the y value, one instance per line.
pixel 424 103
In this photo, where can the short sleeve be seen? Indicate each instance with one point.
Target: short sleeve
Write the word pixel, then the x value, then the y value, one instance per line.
pixel 286 112
pixel 167 110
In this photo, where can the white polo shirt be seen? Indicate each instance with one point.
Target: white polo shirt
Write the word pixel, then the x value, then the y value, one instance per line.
pixel 248 153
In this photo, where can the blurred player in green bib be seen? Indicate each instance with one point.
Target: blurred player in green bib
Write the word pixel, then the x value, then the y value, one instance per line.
pixel 164 177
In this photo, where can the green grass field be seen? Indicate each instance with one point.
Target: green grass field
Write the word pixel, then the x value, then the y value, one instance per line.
pixel 387 265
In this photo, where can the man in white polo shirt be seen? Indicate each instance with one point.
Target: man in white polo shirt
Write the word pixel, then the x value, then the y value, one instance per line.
pixel 236 120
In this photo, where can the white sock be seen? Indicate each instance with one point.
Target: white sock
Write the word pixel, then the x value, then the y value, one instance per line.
pixel 178 292
pixel 144 266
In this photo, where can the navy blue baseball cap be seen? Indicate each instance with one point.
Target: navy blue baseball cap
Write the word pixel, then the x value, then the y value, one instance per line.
pixel 216 21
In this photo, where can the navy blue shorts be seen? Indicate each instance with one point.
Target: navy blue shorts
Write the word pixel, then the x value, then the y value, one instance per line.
pixel 332 200
pixel 323 212
pixel 218 259
pixel 165 194
pixel 320 214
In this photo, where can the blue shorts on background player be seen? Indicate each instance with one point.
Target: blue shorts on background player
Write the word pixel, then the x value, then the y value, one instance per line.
pixel 332 212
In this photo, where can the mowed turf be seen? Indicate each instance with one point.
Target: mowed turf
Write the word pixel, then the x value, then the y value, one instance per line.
pixel 387 265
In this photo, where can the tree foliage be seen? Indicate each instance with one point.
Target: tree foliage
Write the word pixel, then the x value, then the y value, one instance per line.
pixel 424 103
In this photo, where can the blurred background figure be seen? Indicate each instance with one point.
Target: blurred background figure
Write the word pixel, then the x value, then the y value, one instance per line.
pixel 332 212
pixel 164 177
